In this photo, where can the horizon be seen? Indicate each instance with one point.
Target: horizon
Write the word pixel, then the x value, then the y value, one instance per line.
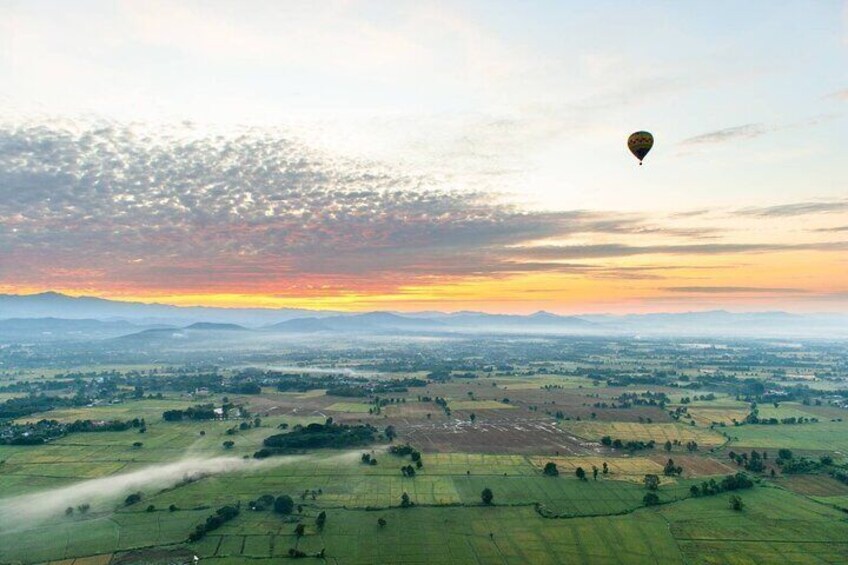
pixel 413 312
pixel 467 156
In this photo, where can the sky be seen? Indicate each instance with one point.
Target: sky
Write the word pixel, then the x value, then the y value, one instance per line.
pixel 405 156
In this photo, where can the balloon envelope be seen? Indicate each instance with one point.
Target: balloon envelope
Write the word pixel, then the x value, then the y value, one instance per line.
pixel 640 143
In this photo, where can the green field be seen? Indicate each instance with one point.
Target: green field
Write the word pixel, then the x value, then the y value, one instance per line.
pixel 824 435
pixel 185 470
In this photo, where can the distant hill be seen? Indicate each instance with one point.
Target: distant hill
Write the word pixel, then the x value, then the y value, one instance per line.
pixel 52 329
pixel 369 322
pixel 54 316
pixel 301 325
pixel 211 326
pixel 540 322
pixel 56 305
pixel 724 323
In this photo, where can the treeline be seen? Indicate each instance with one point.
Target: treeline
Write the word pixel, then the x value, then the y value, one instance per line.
pixel 213 522
pixel 729 483
pixel 317 436
pixel 631 445
pixel 41 432
pixel 21 407
pixel 370 388
pixel 199 412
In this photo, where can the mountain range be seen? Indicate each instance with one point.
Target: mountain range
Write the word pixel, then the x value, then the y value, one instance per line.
pixel 55 316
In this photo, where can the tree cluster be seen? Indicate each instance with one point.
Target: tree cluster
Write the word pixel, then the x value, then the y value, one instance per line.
pixel 213 522
pixel 317 436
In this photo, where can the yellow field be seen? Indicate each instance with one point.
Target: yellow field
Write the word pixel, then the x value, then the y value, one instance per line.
pixel 353 407
pixel 539 382
pixel 706 416
pixel 660 433
pixel 478 405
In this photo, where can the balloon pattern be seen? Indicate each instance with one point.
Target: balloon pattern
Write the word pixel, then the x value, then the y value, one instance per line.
pixel 640 143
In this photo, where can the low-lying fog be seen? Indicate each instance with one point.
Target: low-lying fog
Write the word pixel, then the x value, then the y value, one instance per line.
pixel 21 512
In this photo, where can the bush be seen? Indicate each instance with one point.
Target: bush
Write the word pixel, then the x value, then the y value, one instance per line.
pixel 487 496
pixel 651 499
pixel 736 502
pixel 283 504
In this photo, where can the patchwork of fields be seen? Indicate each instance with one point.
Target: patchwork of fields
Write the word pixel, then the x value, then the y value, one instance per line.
pixel 65 501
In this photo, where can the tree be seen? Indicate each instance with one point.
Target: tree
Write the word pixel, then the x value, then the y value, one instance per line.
pixel 487 495
pixel 69 510
pixel 390 433
pixel 550 469
pixel 132 499
pixel 472 417
pixel 137 444
pixel 283 504
pixel 404 501
pixel 652 482
pixel 299 530
pixel 651 499
pixel 229 444
pixel 321 520
pixel 671 469
pixel 381 522
pixel 668 445
pixel 172 508
pixel 736 502
pixel 581 474
pixel 595 472
pixel 151 508
pixel 83 508
pixel 606 468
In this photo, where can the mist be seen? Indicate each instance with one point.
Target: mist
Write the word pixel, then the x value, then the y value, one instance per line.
pixel 22 512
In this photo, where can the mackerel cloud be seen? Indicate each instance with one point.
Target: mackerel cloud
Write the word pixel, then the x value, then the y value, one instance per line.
pixel 254 209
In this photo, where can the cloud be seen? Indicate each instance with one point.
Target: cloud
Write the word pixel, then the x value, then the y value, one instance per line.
pixel 747 131
pixel 797 208
pixel 839 95
pixel 182 208
pixel 833 229
pixel 730 289
pixel 566 252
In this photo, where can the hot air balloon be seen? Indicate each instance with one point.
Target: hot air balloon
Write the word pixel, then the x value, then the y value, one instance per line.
pixel 640 143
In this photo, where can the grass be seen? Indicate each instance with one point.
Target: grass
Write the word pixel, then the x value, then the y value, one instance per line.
pixel 601 521
pixel 775 527
pixel 821 436
pixel 784 411
pixel 447 525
